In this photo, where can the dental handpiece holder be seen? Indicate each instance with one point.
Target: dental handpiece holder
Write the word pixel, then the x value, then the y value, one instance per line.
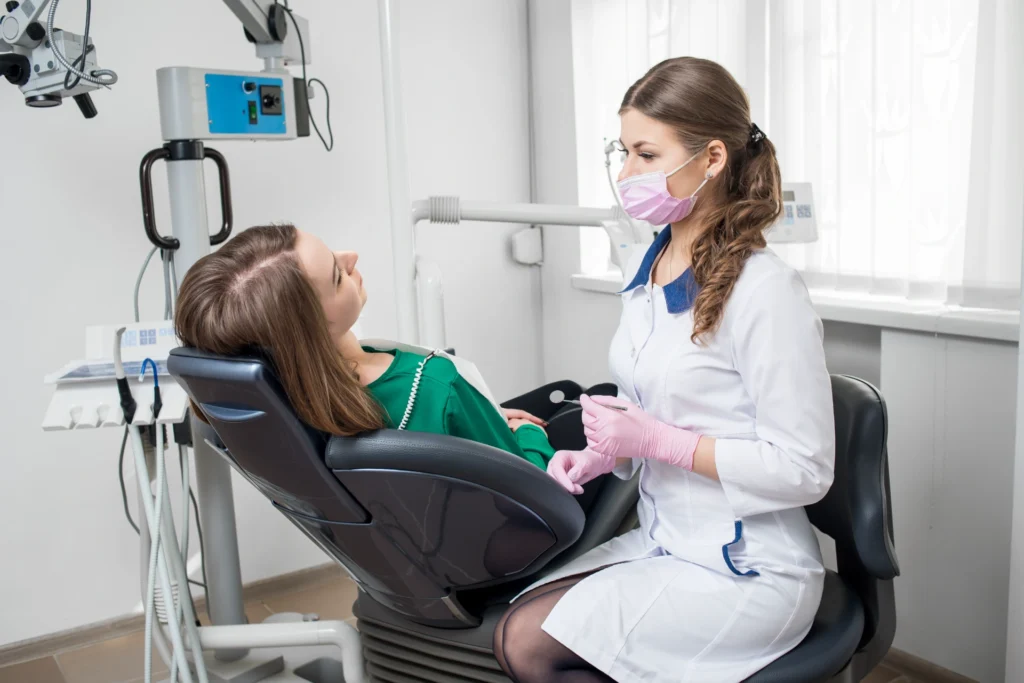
pixel 85 391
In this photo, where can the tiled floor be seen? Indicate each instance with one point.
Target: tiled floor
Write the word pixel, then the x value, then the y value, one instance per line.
pixel 120 660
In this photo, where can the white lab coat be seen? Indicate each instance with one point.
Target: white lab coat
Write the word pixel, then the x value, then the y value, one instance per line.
pixel 723 577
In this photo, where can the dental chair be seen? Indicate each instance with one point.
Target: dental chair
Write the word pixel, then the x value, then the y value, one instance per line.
pixel 440 533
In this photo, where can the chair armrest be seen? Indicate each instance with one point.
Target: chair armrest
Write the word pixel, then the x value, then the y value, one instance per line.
pixel 466 461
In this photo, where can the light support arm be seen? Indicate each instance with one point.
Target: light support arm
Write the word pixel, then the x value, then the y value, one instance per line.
pixel 426 282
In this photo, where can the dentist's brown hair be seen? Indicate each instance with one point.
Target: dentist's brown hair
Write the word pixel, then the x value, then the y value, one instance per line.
pixel 703 102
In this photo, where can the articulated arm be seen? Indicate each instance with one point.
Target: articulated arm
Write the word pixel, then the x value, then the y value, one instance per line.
pixel 268 24
pixel 265 21
pixel 30 62
pixel 21 28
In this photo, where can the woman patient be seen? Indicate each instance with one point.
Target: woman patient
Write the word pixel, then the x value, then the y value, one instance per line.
pixel 281 291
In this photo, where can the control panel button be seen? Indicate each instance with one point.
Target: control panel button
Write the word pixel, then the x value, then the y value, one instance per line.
pixel 271 100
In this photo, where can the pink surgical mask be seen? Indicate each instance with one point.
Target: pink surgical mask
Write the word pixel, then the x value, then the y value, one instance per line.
pixel 645 197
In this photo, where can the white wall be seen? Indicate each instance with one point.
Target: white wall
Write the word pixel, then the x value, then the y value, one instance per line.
pixel 72 242
pixel 952 406
pixel 951 410
pixel 578 326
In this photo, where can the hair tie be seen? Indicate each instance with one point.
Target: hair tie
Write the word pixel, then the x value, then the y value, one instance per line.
pixel 757 137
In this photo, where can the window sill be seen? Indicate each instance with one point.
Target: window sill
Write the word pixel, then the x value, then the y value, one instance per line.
pixel 878 311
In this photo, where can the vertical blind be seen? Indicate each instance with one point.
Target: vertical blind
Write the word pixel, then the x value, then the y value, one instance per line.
pixel 899 112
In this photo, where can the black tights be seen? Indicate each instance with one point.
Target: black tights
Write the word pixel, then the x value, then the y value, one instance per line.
pixel 527 653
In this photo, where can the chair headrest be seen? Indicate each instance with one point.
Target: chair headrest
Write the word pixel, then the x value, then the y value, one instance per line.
pixel 278 453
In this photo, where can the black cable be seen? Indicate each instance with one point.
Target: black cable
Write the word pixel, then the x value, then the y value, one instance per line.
pixel 86 49
pixel 302 50
pixel 195 507
pixel 330 133
pixel 124 492
pixel 199 530
pixel 128 514
pixel 191 495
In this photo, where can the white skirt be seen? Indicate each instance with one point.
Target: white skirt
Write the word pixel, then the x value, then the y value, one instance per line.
pixel 651 617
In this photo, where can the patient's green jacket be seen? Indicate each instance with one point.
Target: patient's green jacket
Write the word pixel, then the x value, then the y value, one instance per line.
pixel 447 404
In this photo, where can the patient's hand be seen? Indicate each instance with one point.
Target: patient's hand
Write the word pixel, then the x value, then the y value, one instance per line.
pixel 522 415
pixel 515 423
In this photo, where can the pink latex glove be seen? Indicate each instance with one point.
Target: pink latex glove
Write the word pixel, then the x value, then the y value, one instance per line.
pixel 632 433
pixel 573 469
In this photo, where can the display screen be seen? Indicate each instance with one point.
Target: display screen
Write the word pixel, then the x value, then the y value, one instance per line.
pixel 788 196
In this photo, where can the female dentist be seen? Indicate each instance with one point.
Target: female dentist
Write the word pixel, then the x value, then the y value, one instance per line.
pixel 719 362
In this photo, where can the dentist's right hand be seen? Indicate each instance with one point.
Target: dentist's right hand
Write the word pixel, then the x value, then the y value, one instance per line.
pixel 573 469
pixel 618 429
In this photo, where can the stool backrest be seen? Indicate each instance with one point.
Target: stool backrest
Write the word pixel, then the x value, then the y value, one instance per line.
pixel 857 510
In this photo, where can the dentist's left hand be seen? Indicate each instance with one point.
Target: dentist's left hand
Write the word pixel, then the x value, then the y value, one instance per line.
pixel 573 469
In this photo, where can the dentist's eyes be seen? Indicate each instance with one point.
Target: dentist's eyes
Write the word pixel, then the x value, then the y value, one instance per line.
pixel 646 156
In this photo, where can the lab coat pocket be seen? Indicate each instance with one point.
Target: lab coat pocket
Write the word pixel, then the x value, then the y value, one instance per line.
pixel 715 538
pixel 724 552
pixel 734 553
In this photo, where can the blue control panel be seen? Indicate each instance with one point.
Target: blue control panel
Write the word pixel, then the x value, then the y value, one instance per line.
pixel 239 105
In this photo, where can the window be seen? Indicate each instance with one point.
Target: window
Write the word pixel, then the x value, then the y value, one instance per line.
pixel 899 114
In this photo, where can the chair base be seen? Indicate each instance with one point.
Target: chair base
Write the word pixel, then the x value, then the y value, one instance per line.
pixel 397 651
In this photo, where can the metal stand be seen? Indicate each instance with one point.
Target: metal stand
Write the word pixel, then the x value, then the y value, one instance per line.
pixel 224 601
pixel 190 242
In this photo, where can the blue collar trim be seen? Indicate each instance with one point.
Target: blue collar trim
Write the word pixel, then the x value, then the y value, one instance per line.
pixel 681 292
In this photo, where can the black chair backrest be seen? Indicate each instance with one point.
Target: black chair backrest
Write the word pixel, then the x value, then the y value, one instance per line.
pixel 856 512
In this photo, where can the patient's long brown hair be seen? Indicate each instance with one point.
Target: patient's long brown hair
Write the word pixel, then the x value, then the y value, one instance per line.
pixel 252 294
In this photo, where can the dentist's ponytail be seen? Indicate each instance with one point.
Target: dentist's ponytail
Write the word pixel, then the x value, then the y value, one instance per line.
pixel 703 102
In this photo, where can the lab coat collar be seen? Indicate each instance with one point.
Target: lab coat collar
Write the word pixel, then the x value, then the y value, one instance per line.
pixel 681 292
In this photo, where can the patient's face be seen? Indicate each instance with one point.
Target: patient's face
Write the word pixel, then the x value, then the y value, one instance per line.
pixel 336 280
